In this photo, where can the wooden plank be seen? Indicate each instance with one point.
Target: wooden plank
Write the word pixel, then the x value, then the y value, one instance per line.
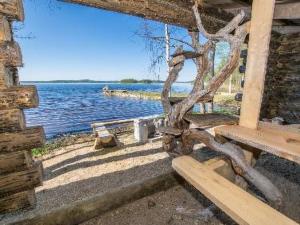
pixel 12 120
pixel 234 201
pixel 13 9
pixel 289 11
pixel 22 140
pixel 20 97
pixel 210 119
pixel 20 181
pixel 15 162
pixel 5 30
pixel 222 167
pixel 258 51
pixel 10 54
pixel 17 201
pixel 276 143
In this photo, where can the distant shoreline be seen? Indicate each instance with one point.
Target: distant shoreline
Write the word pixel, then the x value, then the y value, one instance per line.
pixel 93 82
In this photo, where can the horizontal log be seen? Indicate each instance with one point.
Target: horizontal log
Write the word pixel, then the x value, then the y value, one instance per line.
pixel 176 12
pixel 10 54
pixel 5 30
pixel 22 140
pixel 8 76
pixel 17 201
pixel 15 162
pixel 12 120
pixel 21 97
pixel 20 181
pixel 13 9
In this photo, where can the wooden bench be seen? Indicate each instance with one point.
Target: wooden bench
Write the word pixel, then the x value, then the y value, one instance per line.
pixel 275 139
pixel 242 207
pixel 210 120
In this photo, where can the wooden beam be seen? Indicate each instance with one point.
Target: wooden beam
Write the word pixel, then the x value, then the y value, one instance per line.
pixel 27 139
pixel 13 9
pixel 277 142
pixel 17 201
pixel 286 29
pixel 20 181
pixel 15 162
pixel 176 12
pixel 241 206
pixel 5 30
pixel 19 97
pixel 289 11
pixel 10 54
pixel 258 51
pixel 12 120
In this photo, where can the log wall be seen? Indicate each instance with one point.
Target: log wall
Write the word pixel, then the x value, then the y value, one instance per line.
pixel 19 174
pixel 282 84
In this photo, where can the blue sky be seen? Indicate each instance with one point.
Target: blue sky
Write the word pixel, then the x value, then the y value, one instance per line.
pixel 78 42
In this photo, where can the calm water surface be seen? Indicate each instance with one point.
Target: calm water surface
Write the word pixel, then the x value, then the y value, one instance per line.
pixel 70 108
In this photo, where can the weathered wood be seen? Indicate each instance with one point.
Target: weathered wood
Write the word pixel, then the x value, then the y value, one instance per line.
pixel 175 12
pixel 287 11
pixel 10 54
pixel 17 201
pixel 258 51
pixel 6 77
pixel 5 30
pixel 237 203
pixel 12 120
pixel 285 145
pixel 170 130
pixel 22 140
pixel 13 9
pixel 15 162
pixel 19 97
pixel 20 181
pixel 210 119
pixel 239 162
pixel 104 139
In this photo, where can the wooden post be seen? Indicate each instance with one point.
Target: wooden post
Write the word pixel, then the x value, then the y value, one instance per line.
pixel 258 52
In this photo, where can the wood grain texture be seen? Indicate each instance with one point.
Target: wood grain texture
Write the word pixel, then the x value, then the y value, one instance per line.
pixel 210 119
pixel 234 201
pixel 175 12
pixel 17 201
pixel 275 142
pixel 20 181
pixel 10 54
pixel 19 97
pixel 15 162
pixel 13 9
pixel 258 52
pixel 12 120
pixel 5 30
pixel 22 140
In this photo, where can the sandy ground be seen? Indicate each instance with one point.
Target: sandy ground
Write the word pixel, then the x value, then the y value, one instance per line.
pixel 163 207
pixel 76 172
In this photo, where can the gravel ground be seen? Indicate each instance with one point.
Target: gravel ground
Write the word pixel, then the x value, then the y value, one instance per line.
pixel 76 172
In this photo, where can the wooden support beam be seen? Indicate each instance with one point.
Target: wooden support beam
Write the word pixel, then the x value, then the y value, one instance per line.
pixel 20 181
pixel 241 206
pixel 10 54
pixel 258 51
pixel 12 120
pixel 27 139
pixel 17 201
pixel 13 9
pixel 289 11
pixel 15 162
pixel 5 30
pixel 176 12
pixel 19 97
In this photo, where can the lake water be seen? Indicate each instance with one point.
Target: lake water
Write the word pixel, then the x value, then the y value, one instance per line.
pixel 71 108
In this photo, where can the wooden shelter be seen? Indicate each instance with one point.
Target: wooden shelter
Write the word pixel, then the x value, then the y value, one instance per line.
pixel 273 84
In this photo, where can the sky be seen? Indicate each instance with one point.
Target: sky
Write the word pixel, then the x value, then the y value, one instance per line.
pixel 72 42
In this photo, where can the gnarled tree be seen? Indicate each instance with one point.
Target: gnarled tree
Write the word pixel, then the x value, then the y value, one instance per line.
pixel 178 137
